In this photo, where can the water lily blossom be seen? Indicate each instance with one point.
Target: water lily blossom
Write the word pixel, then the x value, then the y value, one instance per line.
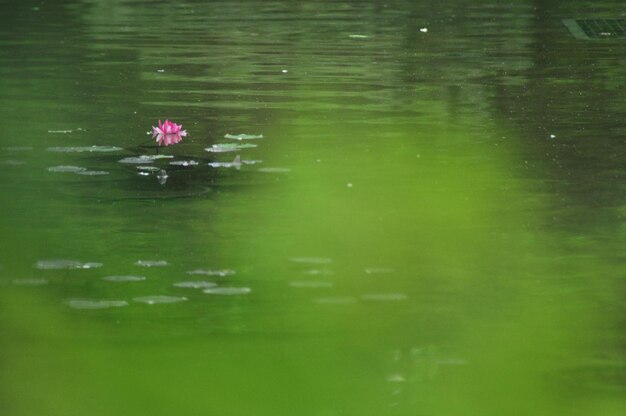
pixel 168 133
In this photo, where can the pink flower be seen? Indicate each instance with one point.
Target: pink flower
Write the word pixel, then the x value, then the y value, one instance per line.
pixel 168 133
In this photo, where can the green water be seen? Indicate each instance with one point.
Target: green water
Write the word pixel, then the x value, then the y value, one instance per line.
pixel 436 227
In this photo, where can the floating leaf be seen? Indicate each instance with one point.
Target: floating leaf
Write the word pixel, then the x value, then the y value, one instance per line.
pixel 243 136
pixel 153 300
pixel 80 149
pixel 66 168
pixel 65 264
pixel 60 131
pixel 196 284
pixel 124 278
pixel 222 273
pixel 92 172
pixel 151 263
pixel 184 163
pixel 148 168
pixel 229 147
pixel 144 159
pixel 227 290
pixel 95 304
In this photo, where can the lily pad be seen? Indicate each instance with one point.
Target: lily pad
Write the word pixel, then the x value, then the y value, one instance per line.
pixel 65 264
pixel 229 147
pixel 144 159
pixel 184 163
pixel 60 131
pixel 228 291
pixel 236 163
pixel 151 263
pixel 196 284
pixel 153 300
pixel 66 168
pixel 221 273
pixel 124 278
pixel 148 168
pixel 81 149
pixel 92 172
pixel 95 304
pixel 243 136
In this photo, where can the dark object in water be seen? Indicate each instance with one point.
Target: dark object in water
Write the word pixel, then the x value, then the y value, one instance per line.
pixel 597 28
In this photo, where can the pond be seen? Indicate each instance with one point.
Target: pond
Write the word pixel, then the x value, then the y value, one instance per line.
pixel 398 208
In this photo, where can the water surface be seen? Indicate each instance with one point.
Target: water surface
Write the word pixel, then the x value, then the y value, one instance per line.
pixel 433 225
